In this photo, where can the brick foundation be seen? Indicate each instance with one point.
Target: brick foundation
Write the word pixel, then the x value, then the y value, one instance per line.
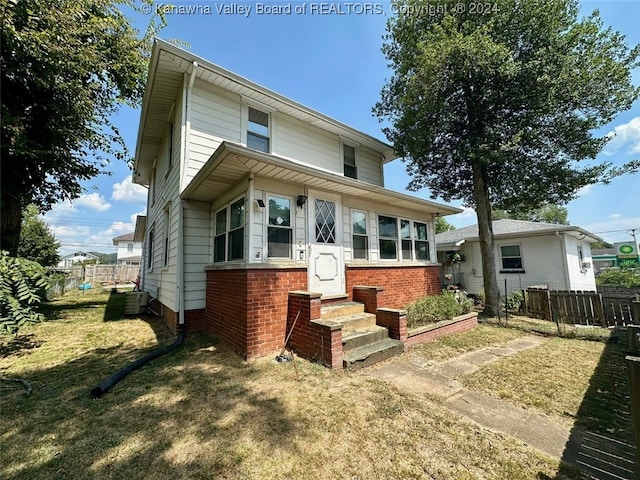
pixel 247 308
pixel 431 332
pixel 401 284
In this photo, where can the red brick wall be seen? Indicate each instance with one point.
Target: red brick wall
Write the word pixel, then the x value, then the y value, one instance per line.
pixel 310 338
pixel 465 322
pixel 402 284
pixel 247 308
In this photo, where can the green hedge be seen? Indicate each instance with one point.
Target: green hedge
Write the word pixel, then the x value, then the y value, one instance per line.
pixel 432 309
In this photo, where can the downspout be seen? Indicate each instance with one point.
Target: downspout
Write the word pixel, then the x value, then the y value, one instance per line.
pixel 564 260
pixel 184 163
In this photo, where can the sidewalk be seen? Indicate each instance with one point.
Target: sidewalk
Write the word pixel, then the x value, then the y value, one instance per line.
pixel 592 453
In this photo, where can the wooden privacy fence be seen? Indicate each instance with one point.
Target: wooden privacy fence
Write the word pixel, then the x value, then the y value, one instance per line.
pixel 110 274
pixel 582 308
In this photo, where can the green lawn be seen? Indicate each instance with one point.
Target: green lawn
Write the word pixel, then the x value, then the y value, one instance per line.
pixel 201 412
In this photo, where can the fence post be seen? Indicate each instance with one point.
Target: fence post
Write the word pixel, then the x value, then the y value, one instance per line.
pixel 633 372
pixel 635 310
pixel 633 338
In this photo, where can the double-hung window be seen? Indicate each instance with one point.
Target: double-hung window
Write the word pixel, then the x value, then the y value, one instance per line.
pixel 420 241
pixel 349 161
pixel 280 229
pixel 388 237
pixel 511 257
pixel 405 235
pixel 165 260
pixel 359 235
pixel 258 130
pixel 150 247
pixel 228 241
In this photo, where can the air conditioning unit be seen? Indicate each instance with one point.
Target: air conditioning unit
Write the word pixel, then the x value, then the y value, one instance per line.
pixel 136 303
pixel 585 265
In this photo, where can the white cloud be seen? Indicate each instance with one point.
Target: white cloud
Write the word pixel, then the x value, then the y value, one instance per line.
pixel 584 190
pixel 64 232
pixel 625 136
pixel 117 228
pixel 129 192
pixel 93 201
pixel 615 215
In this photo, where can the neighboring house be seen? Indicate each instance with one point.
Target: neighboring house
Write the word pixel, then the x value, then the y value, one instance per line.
pixel 76 257
pixel 253 195
pixel 526 254
pixel 129 251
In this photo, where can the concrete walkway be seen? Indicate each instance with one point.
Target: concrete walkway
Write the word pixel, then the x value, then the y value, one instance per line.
pixel 420 377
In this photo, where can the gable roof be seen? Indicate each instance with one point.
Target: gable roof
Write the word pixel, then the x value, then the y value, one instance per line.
pixel 167 67
pixel 127 237
pixel 507 228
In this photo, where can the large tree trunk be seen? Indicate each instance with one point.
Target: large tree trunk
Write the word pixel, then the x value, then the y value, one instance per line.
pixel 10 223
pixel 485 233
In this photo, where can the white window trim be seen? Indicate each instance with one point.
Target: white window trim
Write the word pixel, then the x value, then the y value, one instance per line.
pixel 499 252
pixel 265 246
pixel 227 207
pixel 166 238
pixel 244 121
pixel 367 234
pixel 412 238
pixel 356 147
pixel 151 257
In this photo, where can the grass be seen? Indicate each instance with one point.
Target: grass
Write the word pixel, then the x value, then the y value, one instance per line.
pixel 574 381
pixel 201 412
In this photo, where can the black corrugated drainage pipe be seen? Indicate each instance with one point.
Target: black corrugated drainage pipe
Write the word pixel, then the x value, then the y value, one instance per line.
pixel 120 374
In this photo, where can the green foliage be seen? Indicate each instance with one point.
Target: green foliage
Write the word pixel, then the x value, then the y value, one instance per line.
pixel 441 225
pixel 22 287
pixel 67 67
pixel 546 214
pixel 434 308
pixel 503 110
pixel 620 276
pixel 514 300
pixel 37 242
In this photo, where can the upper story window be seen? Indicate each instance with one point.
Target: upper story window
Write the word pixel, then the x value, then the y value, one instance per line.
pixel 258 132
pixel 511 257
pixel 349 161
pixel 129 247
pixel 280 228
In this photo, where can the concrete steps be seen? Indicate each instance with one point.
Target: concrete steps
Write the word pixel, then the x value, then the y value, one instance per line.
pixel 363 342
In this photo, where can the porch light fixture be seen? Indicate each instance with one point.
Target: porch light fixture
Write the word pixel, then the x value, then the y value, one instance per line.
pixel 260 203
pixel 301 200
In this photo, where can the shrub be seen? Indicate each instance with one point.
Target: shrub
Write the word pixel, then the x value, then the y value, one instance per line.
pixel 22 287
pixel 433 309
pixel 514 300
pixel 626 276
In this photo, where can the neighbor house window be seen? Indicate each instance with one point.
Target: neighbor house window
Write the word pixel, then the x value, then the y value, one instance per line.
pixel 359 235
pixel 388 241
pixel 279 230
pixel 228 240
pixel 258 136
pixel 129 247
pixel 511 257
pixel 349 161
pixel 420 241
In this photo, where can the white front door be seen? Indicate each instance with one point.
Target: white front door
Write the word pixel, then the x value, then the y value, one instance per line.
pixel 326 263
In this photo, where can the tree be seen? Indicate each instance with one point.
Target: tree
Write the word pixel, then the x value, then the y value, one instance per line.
pixel 67 66
pixel 441 225
pixel 546 214
pixel 499 109
pixel 37 242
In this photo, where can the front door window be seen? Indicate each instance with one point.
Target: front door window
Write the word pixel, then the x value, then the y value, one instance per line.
pixel 325 221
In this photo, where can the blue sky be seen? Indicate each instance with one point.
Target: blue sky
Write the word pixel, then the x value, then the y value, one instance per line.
pixel 332 63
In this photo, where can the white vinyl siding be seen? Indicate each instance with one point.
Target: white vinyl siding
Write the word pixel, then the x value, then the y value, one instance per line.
pixel 197 254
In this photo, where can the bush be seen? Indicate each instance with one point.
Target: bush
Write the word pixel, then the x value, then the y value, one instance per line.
pixel 620 276
pixel 514 300
pixel 22 287
pixel 432 309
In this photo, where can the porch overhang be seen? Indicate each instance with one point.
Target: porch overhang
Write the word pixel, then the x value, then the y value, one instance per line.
pixel 141 228
pixel 231 162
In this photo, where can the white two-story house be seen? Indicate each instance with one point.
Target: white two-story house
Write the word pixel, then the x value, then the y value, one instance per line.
pixel 129 251
pixel 253 196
